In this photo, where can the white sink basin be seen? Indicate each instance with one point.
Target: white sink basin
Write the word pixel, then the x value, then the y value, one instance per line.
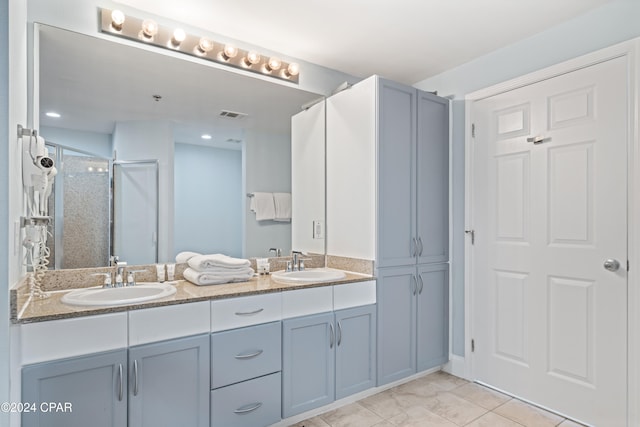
pixel 119 296
pixel 311 275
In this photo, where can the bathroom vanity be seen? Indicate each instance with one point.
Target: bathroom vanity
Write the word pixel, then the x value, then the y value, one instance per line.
pixel 229 355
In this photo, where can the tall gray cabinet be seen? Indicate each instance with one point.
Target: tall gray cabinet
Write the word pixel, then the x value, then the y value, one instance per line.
pixel 388 200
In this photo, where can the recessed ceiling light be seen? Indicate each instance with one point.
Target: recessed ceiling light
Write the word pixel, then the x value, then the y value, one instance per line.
pixel 53 114
pixel 206 136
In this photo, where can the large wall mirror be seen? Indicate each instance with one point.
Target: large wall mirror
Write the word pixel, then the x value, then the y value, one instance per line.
pixel 137 178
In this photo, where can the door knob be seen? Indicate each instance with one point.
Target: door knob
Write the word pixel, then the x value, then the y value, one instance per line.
pixel 611 265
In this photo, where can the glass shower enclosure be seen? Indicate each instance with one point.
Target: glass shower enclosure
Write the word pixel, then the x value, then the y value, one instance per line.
pixel 99 208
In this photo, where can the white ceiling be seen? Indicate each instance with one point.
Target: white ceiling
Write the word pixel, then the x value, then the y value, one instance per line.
pixel 404 40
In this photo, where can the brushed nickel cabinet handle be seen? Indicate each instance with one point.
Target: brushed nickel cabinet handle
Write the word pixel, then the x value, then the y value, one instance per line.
pixel 135 377
pixel 249 313
pixel 248 408
pixel 331 335
pixel 242 356
pixel 421 284
pixel 120 382
pixel 339 333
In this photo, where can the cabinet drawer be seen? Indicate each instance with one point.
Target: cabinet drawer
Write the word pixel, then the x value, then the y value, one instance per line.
pixel 245 311
pixel 245 353
pixel 251 403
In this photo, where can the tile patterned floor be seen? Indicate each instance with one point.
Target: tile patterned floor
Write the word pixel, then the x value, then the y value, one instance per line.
pixel 438 400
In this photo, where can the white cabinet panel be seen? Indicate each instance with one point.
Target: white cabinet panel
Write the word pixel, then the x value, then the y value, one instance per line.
pixel 163 323
pixel 302 302
pixel 57 339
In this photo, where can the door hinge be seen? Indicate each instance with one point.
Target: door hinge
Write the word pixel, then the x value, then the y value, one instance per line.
pixel 473 345
pixel 473 130
pixel 627 265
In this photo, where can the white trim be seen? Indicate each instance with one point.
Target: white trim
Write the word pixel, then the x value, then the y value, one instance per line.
pixel 629 50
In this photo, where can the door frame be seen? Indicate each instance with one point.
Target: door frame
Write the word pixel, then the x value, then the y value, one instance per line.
pixel 630 50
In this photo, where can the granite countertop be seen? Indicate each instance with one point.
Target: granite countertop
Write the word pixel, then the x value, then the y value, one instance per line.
pixel 26 309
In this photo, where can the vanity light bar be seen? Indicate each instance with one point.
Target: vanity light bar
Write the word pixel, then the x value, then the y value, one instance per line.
pixel 115 23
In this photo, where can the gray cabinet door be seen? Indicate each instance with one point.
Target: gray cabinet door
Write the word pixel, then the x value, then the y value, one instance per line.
pixel 396 174
pixel 432 179
pixel 169 383
pixel 355 350
pixel 396 323
pixel 433 316
pixel 308 363
pixel 94 386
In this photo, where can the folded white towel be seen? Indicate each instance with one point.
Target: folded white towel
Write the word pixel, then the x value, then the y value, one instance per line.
pixel 263 206
pixel 207 262
pixel 183 257
pixel 201 278
pixel 282 203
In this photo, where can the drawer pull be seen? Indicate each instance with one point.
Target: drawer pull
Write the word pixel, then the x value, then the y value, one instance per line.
pixel 249 313
pixel 248 355
pixel 248 408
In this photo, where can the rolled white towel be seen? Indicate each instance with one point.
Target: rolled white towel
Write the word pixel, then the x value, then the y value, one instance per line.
pixel 183 257
pixel 203 278
pixel 207 262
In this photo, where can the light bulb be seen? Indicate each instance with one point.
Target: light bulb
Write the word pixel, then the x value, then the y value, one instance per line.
pixel 178 37
pixel 149 29
pixel 292 70
pixel 117 20
pixel 229 52
pixel 204 45
pixel 274 64
pixel 252 58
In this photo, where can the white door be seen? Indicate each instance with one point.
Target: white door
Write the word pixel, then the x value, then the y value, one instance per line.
pixel 549 322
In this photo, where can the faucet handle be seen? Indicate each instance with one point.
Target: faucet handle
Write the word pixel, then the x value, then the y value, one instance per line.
pixel 131 280
pixel 107 279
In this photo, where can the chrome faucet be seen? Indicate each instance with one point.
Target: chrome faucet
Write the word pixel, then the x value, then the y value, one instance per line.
pixel 119 281
pixel 297 261
pixel 276 251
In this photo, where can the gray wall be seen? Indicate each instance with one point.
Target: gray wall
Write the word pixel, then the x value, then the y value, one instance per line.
pixel 609 24
pixel 92 142
pixel 267 168
pixel 208 200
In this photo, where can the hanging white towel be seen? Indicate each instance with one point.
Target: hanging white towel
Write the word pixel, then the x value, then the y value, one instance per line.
pixel 282 203
pixel 263 206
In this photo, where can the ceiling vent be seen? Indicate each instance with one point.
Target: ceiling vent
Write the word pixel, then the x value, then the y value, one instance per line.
pixel 232 114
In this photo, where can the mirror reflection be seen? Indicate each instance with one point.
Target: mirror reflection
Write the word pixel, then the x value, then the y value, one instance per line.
pixel 177 145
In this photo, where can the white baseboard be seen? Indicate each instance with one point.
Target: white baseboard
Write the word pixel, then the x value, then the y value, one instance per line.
pixel 457 366
pixel 350 399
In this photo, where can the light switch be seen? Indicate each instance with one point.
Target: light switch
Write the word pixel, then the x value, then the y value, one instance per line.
pixel 318 229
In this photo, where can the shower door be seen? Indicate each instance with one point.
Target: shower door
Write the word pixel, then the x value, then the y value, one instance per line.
pixel 79 207
pixel 135 211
